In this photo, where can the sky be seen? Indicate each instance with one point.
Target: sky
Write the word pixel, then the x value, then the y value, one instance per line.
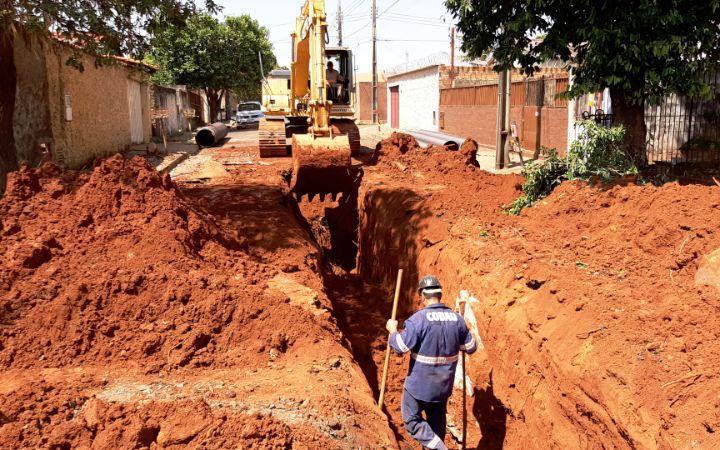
pixel 407 29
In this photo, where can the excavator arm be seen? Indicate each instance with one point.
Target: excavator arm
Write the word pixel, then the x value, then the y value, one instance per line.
pixel 321 160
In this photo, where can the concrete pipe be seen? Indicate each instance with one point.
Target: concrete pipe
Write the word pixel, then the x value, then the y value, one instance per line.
pixel 210 135
pixel 426 138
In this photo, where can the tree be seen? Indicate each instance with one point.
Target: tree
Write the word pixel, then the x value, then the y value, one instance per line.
pixel 217 57
pixel 99 27
pixel 640 49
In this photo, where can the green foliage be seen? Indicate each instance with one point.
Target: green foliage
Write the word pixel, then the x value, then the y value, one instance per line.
pixel 216 56
pixel 101 27
pixel 162 77
pixel 597 152
pixel 645 48
pixel 540 180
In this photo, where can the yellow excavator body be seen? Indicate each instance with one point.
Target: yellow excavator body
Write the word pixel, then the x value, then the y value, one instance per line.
pixel 323 134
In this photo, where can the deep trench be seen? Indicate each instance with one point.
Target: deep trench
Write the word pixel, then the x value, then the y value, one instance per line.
pixel 362 307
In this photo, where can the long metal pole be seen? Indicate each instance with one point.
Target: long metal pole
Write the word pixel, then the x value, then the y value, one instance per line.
pixel 374 63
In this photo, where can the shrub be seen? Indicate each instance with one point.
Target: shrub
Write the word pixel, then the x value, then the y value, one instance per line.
pixel 540 180
pixel 598 151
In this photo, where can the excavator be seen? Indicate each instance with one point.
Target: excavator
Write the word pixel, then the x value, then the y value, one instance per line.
pixel 318 119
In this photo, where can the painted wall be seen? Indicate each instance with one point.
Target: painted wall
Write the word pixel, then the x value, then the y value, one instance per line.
pixel 100 119
pixel 419 98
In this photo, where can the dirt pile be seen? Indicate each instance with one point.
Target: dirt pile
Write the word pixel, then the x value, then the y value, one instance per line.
pixel 402 152
pixel 79 278
pixel 158 308
pixel 597 333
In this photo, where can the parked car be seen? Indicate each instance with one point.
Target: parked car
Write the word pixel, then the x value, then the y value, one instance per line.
pixel 249 113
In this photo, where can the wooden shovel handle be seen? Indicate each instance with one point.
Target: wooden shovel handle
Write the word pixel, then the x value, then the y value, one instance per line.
pixel 398 284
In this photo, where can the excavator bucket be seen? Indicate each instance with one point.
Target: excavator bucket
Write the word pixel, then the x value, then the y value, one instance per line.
pixel 321 166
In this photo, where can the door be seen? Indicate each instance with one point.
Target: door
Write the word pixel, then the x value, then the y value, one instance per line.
pixel 135 106
pixel 531 126
pixel 395 107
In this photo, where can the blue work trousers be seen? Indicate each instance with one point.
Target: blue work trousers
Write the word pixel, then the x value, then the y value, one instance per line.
pixel 429 431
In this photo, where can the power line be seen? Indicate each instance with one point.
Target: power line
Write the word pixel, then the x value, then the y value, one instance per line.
pixel 354 6
pixel 411 22
pixel 411 16
pixel 389 7
pixel 359 29
pixel 412 40
pixel 370 21
pixel 359 19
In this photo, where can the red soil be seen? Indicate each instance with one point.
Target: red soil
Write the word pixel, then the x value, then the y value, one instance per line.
pixel 595 330
pixel 134 313
pixel 169 318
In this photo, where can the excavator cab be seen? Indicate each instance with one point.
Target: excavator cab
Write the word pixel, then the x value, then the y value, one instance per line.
pixel 342 93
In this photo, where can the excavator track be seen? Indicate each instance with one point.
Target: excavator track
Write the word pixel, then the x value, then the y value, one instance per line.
pixel 349 128
pixel 272 140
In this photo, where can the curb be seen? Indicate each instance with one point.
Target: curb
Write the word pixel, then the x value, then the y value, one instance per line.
pixel 176 162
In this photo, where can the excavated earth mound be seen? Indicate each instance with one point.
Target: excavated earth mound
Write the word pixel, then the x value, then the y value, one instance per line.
pixel 598 307
pixel 79 280
pixel 130 318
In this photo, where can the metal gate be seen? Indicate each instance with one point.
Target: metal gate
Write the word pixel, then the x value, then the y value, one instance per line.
pixel 136 115
pixel 684 129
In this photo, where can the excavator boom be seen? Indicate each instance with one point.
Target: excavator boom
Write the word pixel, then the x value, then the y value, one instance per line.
pixel 321 149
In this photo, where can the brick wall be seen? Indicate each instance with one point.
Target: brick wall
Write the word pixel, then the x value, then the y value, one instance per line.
pixel 539 119
pixel 554 128
pixel 364 95
pixel 477 122
pixel 480 123
pixel 479 75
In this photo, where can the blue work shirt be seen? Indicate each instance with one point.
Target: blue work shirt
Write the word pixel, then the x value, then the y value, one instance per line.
pixel 435 336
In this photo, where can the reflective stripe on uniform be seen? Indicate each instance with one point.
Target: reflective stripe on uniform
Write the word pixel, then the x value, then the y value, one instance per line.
pixel 431 291
pixel 434 360
pixel 434 443
pixel 401 343
pixel 469 346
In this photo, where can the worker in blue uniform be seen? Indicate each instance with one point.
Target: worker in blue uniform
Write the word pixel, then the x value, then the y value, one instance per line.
pixel 434 336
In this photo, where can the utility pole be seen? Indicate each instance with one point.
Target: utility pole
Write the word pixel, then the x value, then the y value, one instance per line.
pixel 340 23
pixel 374 63
pixel 452 53
pixel 503 119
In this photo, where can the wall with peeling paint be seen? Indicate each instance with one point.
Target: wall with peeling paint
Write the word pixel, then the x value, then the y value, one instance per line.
pixel 98 122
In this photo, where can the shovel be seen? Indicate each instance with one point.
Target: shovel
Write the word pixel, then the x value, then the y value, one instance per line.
pixel 387 352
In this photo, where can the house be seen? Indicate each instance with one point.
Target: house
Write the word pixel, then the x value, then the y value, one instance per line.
pixel 276 91
pixel 180 109
pixel 171 104
pixel 72 116
pixel 414 93
pixel 430 94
